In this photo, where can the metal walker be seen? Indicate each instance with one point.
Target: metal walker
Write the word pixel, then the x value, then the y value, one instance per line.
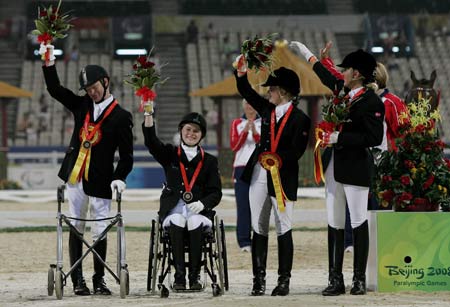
pixel 57 277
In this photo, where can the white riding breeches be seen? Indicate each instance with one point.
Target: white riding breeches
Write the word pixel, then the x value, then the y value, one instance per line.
pixel 261 204
pixel 338 194
pixel 182 217
pixel 79 203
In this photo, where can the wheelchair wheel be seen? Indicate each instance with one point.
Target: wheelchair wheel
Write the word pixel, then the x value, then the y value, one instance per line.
pixel 219 259
pixel 153 257
pixel 124 283
pixel 224 256
pixel 51 281
pixel 59 284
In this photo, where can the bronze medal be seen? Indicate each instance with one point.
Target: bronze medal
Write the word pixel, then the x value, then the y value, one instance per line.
pixel 187 196
pixel 87 144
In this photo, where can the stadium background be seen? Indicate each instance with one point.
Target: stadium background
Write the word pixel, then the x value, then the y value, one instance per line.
pixel 405 35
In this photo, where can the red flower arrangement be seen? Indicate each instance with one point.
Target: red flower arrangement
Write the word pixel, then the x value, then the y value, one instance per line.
pixel 334 114
pixel 258 52
pixel 416 177
pixel 51 24
pixel 144 78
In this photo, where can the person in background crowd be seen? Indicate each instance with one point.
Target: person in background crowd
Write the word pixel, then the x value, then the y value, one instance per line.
pixel 244 135
pixel 102 127
pixel 348 163
pixel 192 189
pixel 272 169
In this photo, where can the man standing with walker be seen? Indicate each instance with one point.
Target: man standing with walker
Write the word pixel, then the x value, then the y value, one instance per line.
pixel 101 128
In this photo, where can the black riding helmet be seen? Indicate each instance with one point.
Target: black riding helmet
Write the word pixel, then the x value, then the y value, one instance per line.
pixel 363 61
pixel 194 118
pixel 91 74
pixel 286 79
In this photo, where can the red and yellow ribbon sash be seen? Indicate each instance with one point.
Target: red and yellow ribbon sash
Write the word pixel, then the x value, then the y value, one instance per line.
pixel 272 162
pixel 90 135
pixel 318 167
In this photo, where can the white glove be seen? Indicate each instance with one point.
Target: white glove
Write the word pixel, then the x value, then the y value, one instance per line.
pixel 241 65
pixel 148 108
pixel 196 207
pixel 330 138
pixel 301 49
pixel 119 185
pixel 51 57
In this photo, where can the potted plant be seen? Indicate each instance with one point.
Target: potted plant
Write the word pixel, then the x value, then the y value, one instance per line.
pixel 416 176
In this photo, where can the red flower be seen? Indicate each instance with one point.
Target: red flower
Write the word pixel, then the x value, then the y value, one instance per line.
pixel 262 58
pixel 52 17
pixel 44 38
pixel 427 148
pixel 420 128
pixel 386 178
pixel 447 161
pixel 388 195
pixel 327 126
pixel 428 183
pixel 135 67
pixel 405 180
pixel 404 197
pixel 148 64
pixel 43 13
pixel 142 60
pixel 409 164
pixel 440 144
pixel 258 44
pixel 268 49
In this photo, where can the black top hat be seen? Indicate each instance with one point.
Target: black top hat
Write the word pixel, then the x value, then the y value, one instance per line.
pixel 285 78
pixel 363 61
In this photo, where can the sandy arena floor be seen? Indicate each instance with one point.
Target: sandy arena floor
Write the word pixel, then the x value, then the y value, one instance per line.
pixel 26 257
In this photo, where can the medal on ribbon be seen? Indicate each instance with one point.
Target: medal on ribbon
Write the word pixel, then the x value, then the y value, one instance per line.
pixel 90 135
pixel 272 162
pixel 187 194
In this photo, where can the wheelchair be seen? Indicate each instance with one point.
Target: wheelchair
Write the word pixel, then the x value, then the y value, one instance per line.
pixel 213 263
pixel 57 278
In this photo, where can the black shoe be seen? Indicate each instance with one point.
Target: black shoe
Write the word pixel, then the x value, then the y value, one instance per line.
pixel 100 287
pixel 358 286
pixel 259 286
pixel 80 288
pixel 179 286
pixel 195 284
pixel 335 287
pixel 282 289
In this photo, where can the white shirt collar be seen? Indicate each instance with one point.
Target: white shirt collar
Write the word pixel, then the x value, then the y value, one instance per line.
pixel 100 107
pixel 353 92
pixel 190 152
pixel 280 110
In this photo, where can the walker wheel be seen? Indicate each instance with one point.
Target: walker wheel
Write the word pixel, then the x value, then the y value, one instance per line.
pixel 164 292
pixel 124 283
pixel 59 285
pixel 51 281
pixel 216 290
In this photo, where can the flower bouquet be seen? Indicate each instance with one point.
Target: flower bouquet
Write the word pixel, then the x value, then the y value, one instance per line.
pixel 143 79
pixel 334 115
pixel 258 52
pixel 416 177
pixel 51 24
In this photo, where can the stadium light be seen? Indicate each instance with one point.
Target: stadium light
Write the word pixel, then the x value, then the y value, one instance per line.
pixel 56 52
pixel 377 49
pixel 131 51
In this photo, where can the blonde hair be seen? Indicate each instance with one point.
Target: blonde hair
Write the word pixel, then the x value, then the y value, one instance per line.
pixel 382 76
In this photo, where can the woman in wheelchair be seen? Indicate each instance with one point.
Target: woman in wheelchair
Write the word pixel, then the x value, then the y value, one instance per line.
pixel 192 190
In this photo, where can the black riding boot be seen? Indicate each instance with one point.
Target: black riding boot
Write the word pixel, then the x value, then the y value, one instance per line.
pixel 259 260
pixel 285 257
pixel 336 244
pixel 75 251
pixel 98 281
pixel 361 252
pixel 195 258
pixel 176 234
